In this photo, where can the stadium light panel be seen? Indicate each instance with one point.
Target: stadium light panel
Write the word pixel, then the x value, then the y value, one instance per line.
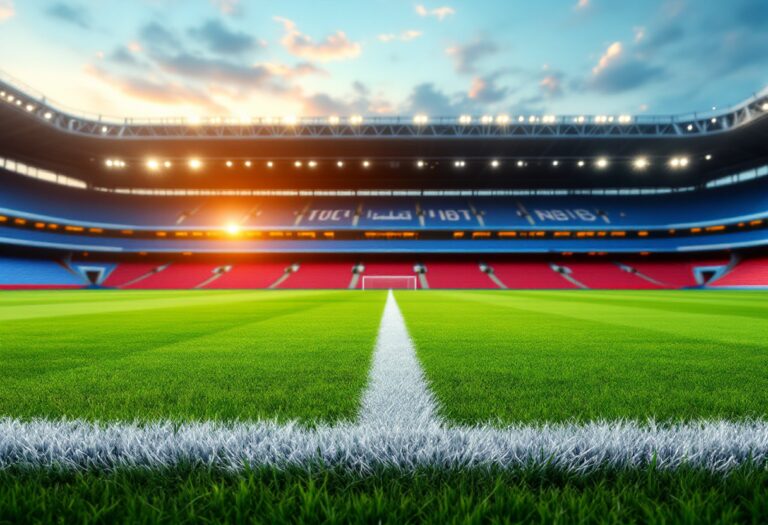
pixel 356 120
pixel 502 120
pixel 684 162
pixel 30 107
pixel 297 164
pixel 465 119
pixel 640 163
pixel 581 163
pixel 48 115
pixel 195 164
pixel 290 120
pixel 714 120
pixel 193 120
pixel 420 120
pixel 520 164
pixel 708 157
pixel 765 106
pixel 555 163
pixel 495 164
pixel 690 127
pixel 340 164
pixel 312 164
pixel 459 164
pixel 248 163
pixel 486 119
pixel 229 164
pixel 333 120
pixel 153 165
pixel 270 164
pixel 109 163
pixel 233 228
pixel 167 164
pixel 601 163
pixel 420 164
pixel 366 164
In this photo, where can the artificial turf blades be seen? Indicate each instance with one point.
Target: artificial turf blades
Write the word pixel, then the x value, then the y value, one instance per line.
pixel 532 357
pixel 186 356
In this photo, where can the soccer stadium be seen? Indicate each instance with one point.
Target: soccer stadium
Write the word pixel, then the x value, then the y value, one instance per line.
pixel 381 316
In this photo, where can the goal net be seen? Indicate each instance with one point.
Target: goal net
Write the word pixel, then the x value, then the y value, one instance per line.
pixel 389 282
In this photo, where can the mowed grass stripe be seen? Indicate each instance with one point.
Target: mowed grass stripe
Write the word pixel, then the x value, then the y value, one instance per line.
pixel 509 358
pixel 96 302
pixel 298 355
pixel 703 322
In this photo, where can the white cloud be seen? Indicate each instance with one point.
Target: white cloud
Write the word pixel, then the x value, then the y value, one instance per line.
pixel 228 7
pixel 6 10
pixel 439 12
pixel 583 4
pixel 405 36
pixel 639 34
pixel 334 47
pixel 611 55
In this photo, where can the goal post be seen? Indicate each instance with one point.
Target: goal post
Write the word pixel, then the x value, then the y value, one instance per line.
pixel 389 282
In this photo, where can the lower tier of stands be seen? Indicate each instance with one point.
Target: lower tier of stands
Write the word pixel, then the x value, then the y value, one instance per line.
pixel 438 273
pixel 748 273
pixel 29 274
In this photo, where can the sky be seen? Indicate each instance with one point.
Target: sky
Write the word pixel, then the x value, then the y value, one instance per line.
pixel 162 58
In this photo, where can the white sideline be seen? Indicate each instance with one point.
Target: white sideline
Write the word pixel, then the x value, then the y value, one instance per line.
pixel 397 395
pixel 717 446
pixel 398 427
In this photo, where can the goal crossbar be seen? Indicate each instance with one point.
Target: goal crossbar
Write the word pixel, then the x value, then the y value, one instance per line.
pixel 389 282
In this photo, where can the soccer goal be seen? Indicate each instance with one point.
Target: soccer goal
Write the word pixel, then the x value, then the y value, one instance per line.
pixel 389 282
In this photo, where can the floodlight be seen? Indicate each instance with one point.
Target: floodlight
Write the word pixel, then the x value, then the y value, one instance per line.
pixel 640 163
pixel 195 164
pixel 233 228
pixel 153 165
pixel 602 163
pixel 495 164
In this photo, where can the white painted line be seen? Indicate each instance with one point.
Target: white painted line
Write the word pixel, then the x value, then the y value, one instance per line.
pixel 717 446
pixel 397 395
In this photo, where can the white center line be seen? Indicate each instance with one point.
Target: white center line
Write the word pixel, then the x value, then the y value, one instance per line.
pixel 397 396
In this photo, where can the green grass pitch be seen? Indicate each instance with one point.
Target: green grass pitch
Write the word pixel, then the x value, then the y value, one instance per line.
pixel 500 357
pixel 186 356
pixel 561 356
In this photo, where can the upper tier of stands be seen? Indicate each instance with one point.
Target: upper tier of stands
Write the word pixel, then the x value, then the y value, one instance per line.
pixel 35 199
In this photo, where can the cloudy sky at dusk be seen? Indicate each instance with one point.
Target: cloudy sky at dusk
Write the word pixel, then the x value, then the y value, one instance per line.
pixel 439 57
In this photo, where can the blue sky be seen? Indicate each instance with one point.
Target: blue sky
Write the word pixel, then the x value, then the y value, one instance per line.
pixel 439 57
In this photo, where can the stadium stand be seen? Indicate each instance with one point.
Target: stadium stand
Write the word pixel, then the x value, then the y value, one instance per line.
pixel 320 275
pixel 127 273
pixel 745 201
pixel 176 276
pixel 674 274
pixel 529 275
pixel 607 276
pixel 447 275
pixel 751 272
pixel 24 273
pixel 249 276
